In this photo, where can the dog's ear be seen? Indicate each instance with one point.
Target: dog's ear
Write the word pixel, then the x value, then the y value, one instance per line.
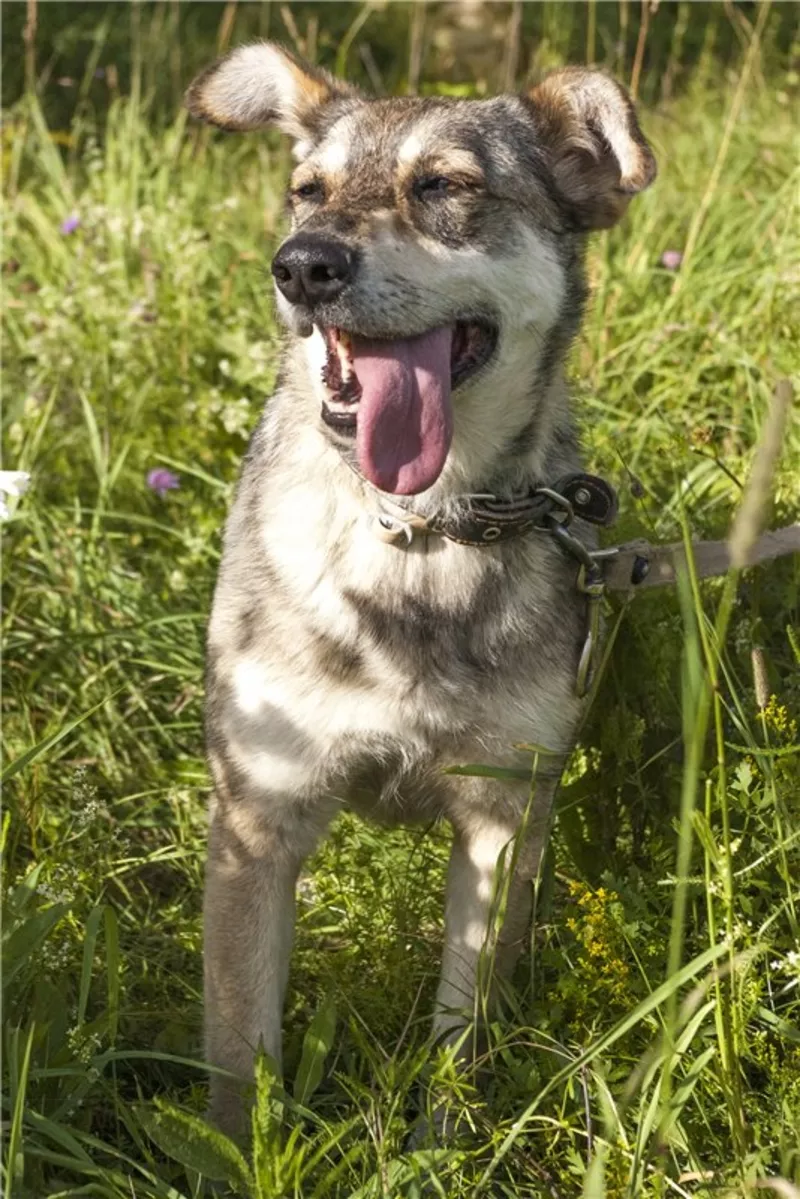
pixel 264 84
pixel 597 153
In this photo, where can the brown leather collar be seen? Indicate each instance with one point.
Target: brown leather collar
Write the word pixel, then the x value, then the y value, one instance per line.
pixel 484 519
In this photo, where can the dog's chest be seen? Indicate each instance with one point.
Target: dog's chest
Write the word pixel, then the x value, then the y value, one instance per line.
pixel 333 649
pixel 406 641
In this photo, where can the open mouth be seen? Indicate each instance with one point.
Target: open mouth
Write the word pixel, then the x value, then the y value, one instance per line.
pixel 393 397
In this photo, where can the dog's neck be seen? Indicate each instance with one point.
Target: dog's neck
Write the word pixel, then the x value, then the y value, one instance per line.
pixel 499 448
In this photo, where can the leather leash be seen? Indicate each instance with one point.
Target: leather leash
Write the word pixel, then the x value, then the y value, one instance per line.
pixel 484 520
pixel 710 558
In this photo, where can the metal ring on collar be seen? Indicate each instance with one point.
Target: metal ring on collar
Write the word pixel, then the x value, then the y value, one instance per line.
pixel 561 502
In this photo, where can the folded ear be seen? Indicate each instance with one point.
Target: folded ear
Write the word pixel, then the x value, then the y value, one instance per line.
pixel 263 84
pixel 597 153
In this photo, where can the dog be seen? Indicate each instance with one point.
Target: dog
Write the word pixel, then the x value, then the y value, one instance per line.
pixel 388 604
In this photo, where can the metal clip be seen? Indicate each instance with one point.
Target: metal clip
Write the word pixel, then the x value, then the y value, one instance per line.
pixel 391 530
pixel 561 502
pixel 590 580
pixel 590 583
pixel 591 646
pixel 574 547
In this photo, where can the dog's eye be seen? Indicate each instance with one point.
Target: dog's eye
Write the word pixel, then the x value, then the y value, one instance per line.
pixel 313 190
pixel 433 187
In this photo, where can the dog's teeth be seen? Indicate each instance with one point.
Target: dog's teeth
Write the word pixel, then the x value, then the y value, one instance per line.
pixel 341 407
pixel 345 361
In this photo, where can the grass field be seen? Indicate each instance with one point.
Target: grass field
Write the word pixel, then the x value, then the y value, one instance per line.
pixel 652 1047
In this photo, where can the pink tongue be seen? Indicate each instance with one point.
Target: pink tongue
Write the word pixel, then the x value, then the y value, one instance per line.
pixel 405 420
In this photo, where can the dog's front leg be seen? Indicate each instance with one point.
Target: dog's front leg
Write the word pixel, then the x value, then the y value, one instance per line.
pixel 249 914
pixel 477 890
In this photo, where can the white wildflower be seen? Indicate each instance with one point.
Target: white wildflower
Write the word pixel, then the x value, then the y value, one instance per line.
pixel 235 416
pixel 12 482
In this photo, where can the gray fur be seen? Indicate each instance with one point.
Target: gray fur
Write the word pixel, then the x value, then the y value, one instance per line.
pixel 345 670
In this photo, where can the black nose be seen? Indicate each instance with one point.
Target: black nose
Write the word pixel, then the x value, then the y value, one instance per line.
pixel 310 269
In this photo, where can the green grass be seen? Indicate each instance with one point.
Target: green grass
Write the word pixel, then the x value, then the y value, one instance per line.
pixel 147 337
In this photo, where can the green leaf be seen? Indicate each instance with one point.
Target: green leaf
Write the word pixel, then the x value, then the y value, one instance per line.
pixel 267 1118
pixel 195 471
pixel 89 943
pixel 15 1159
pixel 94 439
pixel 23 940
pixel 783 1027
pixel 683 1092
pixel 196 1145
pixel 317 1045
pixel 794 642
pixel 506 773
pixel 22 894
pixel 112 971
pixel 594 1180
pixel 46 743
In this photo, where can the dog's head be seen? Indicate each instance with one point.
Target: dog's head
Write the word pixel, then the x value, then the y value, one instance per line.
pixel 434 245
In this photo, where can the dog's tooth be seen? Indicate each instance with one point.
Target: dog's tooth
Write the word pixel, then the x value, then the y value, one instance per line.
pixel 345 361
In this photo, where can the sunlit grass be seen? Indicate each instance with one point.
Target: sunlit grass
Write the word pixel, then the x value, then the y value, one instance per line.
pixel 145 337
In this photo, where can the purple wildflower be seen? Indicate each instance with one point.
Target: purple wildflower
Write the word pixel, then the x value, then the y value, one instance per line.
pixel 672 259
pixel 162 480
pixel 70 223
pixel 100 73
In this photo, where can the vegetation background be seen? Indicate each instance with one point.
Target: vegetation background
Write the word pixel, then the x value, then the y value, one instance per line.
pixel 652 1047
